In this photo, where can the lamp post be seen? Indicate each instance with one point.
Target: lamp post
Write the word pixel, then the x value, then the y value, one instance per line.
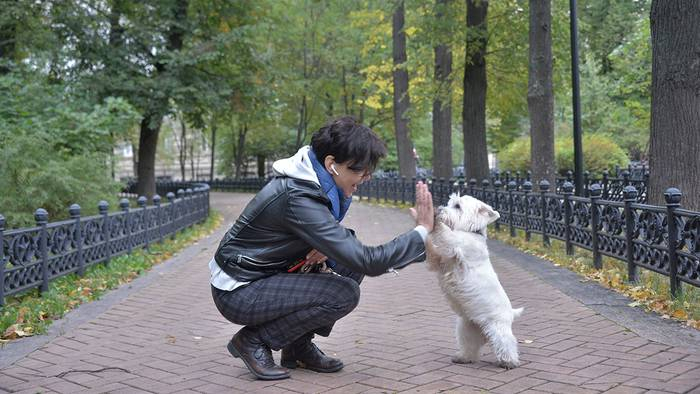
pixel 576 101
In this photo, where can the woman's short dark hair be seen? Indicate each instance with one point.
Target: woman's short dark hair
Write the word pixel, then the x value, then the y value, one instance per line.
pixel 348 141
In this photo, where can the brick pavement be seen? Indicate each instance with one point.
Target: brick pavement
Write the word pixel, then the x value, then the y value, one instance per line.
pixel 164 335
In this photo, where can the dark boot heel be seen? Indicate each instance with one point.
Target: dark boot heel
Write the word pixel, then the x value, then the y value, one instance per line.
pixel 291 364
pixel 232 350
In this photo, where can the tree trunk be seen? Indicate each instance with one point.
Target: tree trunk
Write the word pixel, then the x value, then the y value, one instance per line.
pixel 476 157
pixel 8 35
pixel 302 126
pixel 192 171
pixel 150 125
pixel 540 96
pixel 148 141
pixel 213 148
pixel 402 102
pixel 675 101
pixel 442 108
pixel 182 148
pixel 240 149
pixel 261 166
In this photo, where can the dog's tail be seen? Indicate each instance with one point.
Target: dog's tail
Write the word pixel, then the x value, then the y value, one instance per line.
pixel 517 312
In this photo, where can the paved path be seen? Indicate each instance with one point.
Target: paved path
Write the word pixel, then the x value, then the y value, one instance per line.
pixel 163 334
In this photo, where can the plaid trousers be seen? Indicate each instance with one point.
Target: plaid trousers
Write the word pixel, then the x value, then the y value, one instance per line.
pixel 284 307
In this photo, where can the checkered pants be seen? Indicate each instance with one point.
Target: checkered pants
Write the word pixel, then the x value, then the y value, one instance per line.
pixel 284 307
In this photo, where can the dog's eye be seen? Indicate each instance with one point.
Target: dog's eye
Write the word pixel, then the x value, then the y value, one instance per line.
pixel 456 206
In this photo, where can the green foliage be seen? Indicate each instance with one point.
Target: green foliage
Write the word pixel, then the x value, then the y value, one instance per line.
pixel 54 148
pixel 600 152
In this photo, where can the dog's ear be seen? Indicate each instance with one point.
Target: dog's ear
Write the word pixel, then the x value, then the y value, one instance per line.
pixel 486 211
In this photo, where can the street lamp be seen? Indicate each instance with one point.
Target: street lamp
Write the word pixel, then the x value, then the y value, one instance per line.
pixel 576 102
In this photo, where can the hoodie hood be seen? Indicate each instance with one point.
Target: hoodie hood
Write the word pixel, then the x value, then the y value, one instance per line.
pixel 298 166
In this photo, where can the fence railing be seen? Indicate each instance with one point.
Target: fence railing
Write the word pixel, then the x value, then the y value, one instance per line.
pixel 641 235
pixel 663 239
pixel 32 257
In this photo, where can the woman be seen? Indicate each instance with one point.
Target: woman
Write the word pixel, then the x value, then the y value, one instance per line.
pixel 292 224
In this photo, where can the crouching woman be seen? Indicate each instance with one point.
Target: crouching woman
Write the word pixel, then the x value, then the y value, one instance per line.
pixel 292 225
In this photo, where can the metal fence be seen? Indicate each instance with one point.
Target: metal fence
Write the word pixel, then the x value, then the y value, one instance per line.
pixel 32 257
pixel 663 239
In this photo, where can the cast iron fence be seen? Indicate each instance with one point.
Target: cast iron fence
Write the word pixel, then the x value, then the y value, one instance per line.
pixel 663 239
pixel 32 257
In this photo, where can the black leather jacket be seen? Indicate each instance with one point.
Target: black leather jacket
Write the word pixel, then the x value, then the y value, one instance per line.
pixel 288 218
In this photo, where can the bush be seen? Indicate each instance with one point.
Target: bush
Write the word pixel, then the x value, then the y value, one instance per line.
pixel 599 153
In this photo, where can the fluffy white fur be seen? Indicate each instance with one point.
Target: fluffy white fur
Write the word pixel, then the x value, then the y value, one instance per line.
pixel 457 251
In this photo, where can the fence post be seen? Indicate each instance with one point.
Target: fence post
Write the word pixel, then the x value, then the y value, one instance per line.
pixel 42 218
pixel 484 185
pixel 568 189
pixel 606 185
pixel 103 208
pixel 527 188
pixel 159 217
pixel 472 185
pixel 511 186
pixel 544 187
pixel 181 207
pixel 2 261
pixel 124 206
pixel 141 202
pixel 595 192
pixel 403 189
pixel 673 201
pixel 497 185
pixel 171 208
pixel 629 194
pixel 74 212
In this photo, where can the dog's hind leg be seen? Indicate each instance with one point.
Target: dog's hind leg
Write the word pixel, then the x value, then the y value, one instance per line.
pixel 503 343
pixel 470 340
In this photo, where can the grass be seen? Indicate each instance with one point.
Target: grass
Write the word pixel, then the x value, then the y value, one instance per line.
pixel 651 292
pixel 33 312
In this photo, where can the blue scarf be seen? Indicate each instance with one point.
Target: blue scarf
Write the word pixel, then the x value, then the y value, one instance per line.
pixel 339 203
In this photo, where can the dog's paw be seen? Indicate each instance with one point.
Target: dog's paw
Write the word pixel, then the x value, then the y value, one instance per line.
pixel 460 359
pixel 508 364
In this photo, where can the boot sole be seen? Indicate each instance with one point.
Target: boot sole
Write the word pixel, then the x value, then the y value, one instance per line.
pixel 294 365
pixel 236 354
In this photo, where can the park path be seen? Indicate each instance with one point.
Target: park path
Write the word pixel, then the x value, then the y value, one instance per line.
pixel 162 334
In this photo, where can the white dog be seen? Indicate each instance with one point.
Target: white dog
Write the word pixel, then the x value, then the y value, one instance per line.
pixel 457 251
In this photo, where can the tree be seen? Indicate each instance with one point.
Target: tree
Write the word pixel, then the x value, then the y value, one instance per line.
pixel 402 102
pixel 540 95
pixel 476 161
pixel 442 106
pixel 675 102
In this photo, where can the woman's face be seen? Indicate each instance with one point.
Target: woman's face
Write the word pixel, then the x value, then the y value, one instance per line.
pixel 346 178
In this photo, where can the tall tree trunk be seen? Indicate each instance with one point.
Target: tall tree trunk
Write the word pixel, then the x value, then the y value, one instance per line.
pixel 240 149
pixel 302 126
pixel 182 148
pixel 675 101
pixel 150 125
pixel 402 102
pixel 8 35
pixel 213 148
pixel 442 108
pixel 146 166
pixel 540 96
pixel 192 171
pixel 476 157
pixel 261 166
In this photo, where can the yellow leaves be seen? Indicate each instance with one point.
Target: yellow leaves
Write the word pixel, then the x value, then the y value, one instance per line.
pixel 16 331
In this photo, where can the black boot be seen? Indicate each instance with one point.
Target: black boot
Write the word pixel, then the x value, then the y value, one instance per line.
pixel 305 354
pixel 256 355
